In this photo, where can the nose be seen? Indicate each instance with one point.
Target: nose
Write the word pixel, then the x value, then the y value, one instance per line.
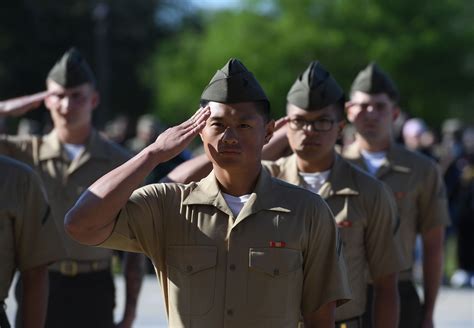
pixel 229 137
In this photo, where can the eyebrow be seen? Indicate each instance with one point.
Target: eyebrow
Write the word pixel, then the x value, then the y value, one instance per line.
pixel 243 118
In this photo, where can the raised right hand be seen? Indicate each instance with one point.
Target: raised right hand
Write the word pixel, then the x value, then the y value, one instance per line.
pixel 174 140
pixel 20 105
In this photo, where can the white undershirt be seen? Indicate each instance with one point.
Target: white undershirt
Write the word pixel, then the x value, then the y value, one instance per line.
pixel 235 203
pixel 73 150
pixel 314 181
pixel 374 160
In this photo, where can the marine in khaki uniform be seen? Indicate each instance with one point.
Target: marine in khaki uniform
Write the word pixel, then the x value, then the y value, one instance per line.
pixel 414 180
pixel 68 160
pixel 236 249
pixel 29 241
pixel 363 207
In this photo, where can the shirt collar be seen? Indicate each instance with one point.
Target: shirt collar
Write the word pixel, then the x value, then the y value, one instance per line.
pixel 207 192
pixel 51 147
pixel 394 160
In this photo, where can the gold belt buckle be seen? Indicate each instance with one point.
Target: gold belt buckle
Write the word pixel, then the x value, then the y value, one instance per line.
pixel 95 265
pixel 68 268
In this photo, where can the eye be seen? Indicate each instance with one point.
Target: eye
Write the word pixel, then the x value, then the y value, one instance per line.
pixel 217 124
pixel 245 126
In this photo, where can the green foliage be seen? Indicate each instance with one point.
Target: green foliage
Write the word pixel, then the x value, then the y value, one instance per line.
pixel 427 47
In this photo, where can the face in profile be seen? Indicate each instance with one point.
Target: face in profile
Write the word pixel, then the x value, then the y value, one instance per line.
pixel 71 108
pixel 313 134
pixel 234 135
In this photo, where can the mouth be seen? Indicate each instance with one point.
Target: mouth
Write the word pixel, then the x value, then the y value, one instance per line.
pixel 311 143
pixel 229 151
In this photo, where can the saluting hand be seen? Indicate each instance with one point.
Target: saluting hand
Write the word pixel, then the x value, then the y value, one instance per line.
pixel 19 106
pixel 278 145
pixel 174 140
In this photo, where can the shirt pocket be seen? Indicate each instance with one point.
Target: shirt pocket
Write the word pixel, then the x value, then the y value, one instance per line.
pixel 275 281
pixel 191 278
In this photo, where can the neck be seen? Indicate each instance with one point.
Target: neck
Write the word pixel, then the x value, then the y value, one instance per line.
pixel 77 137
pixel 313 166
pixel 237 182
pixel 373 145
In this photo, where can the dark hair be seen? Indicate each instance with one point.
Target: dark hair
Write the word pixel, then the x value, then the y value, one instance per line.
pixel 263 107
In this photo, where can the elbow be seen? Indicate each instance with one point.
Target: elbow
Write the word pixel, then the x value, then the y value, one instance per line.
pixel 73 226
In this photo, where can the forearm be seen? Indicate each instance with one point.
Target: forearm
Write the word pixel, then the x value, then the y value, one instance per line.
pixel 432 268
pixel 34 300
pixel 322 318
pixel 91 219
pixel 134 269
pixel 192 170
pixel 386 301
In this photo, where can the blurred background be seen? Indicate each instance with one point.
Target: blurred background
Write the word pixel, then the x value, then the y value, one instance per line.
pixel 155 56
pixel 152 59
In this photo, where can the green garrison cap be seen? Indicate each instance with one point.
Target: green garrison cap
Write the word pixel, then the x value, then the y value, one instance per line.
pixel 373 80
pixel 72 70
pixel 314 89
pixel 233 84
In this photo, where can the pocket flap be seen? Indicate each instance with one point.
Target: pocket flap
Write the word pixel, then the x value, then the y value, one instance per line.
pixel 275 261
pixel 191 259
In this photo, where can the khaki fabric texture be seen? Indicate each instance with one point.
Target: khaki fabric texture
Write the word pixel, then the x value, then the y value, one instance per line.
pixel 419 191
pixel 28 235
pixel 365 212
pixel 65 180
pixel 217 270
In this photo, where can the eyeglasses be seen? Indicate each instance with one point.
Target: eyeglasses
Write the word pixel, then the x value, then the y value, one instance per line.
pixel 321 125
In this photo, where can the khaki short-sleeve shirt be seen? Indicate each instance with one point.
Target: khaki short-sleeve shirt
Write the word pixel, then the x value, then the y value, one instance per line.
pixel 64 180
pixel 277 259
pixel 28 235
pixel 419 193
pixel 365 213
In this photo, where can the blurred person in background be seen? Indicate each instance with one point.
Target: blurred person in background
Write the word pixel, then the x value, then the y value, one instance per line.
pixel 418 137
pixel 464 207
pixel 68 159
pixel 415 181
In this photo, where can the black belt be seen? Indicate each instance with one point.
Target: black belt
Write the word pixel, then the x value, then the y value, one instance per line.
pixel 3 316
pixel 355 322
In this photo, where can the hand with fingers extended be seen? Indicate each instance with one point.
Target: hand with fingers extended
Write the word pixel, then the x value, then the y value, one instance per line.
pixel 278 145
pixel 175 139
pixel 21 105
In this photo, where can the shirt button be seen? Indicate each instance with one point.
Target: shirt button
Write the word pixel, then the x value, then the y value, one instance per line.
pixel 232 267
pixel 189 268
pixel 230 312
pixel 276 272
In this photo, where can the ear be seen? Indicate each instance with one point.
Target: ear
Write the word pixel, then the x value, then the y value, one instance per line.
pixel 95 99
pixel 395 112
pixel 47 102
pixel 269 128
pixel 349 113
pixel 340 126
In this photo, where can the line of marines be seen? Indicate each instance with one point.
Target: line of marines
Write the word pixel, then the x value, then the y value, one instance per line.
pixel 275 225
